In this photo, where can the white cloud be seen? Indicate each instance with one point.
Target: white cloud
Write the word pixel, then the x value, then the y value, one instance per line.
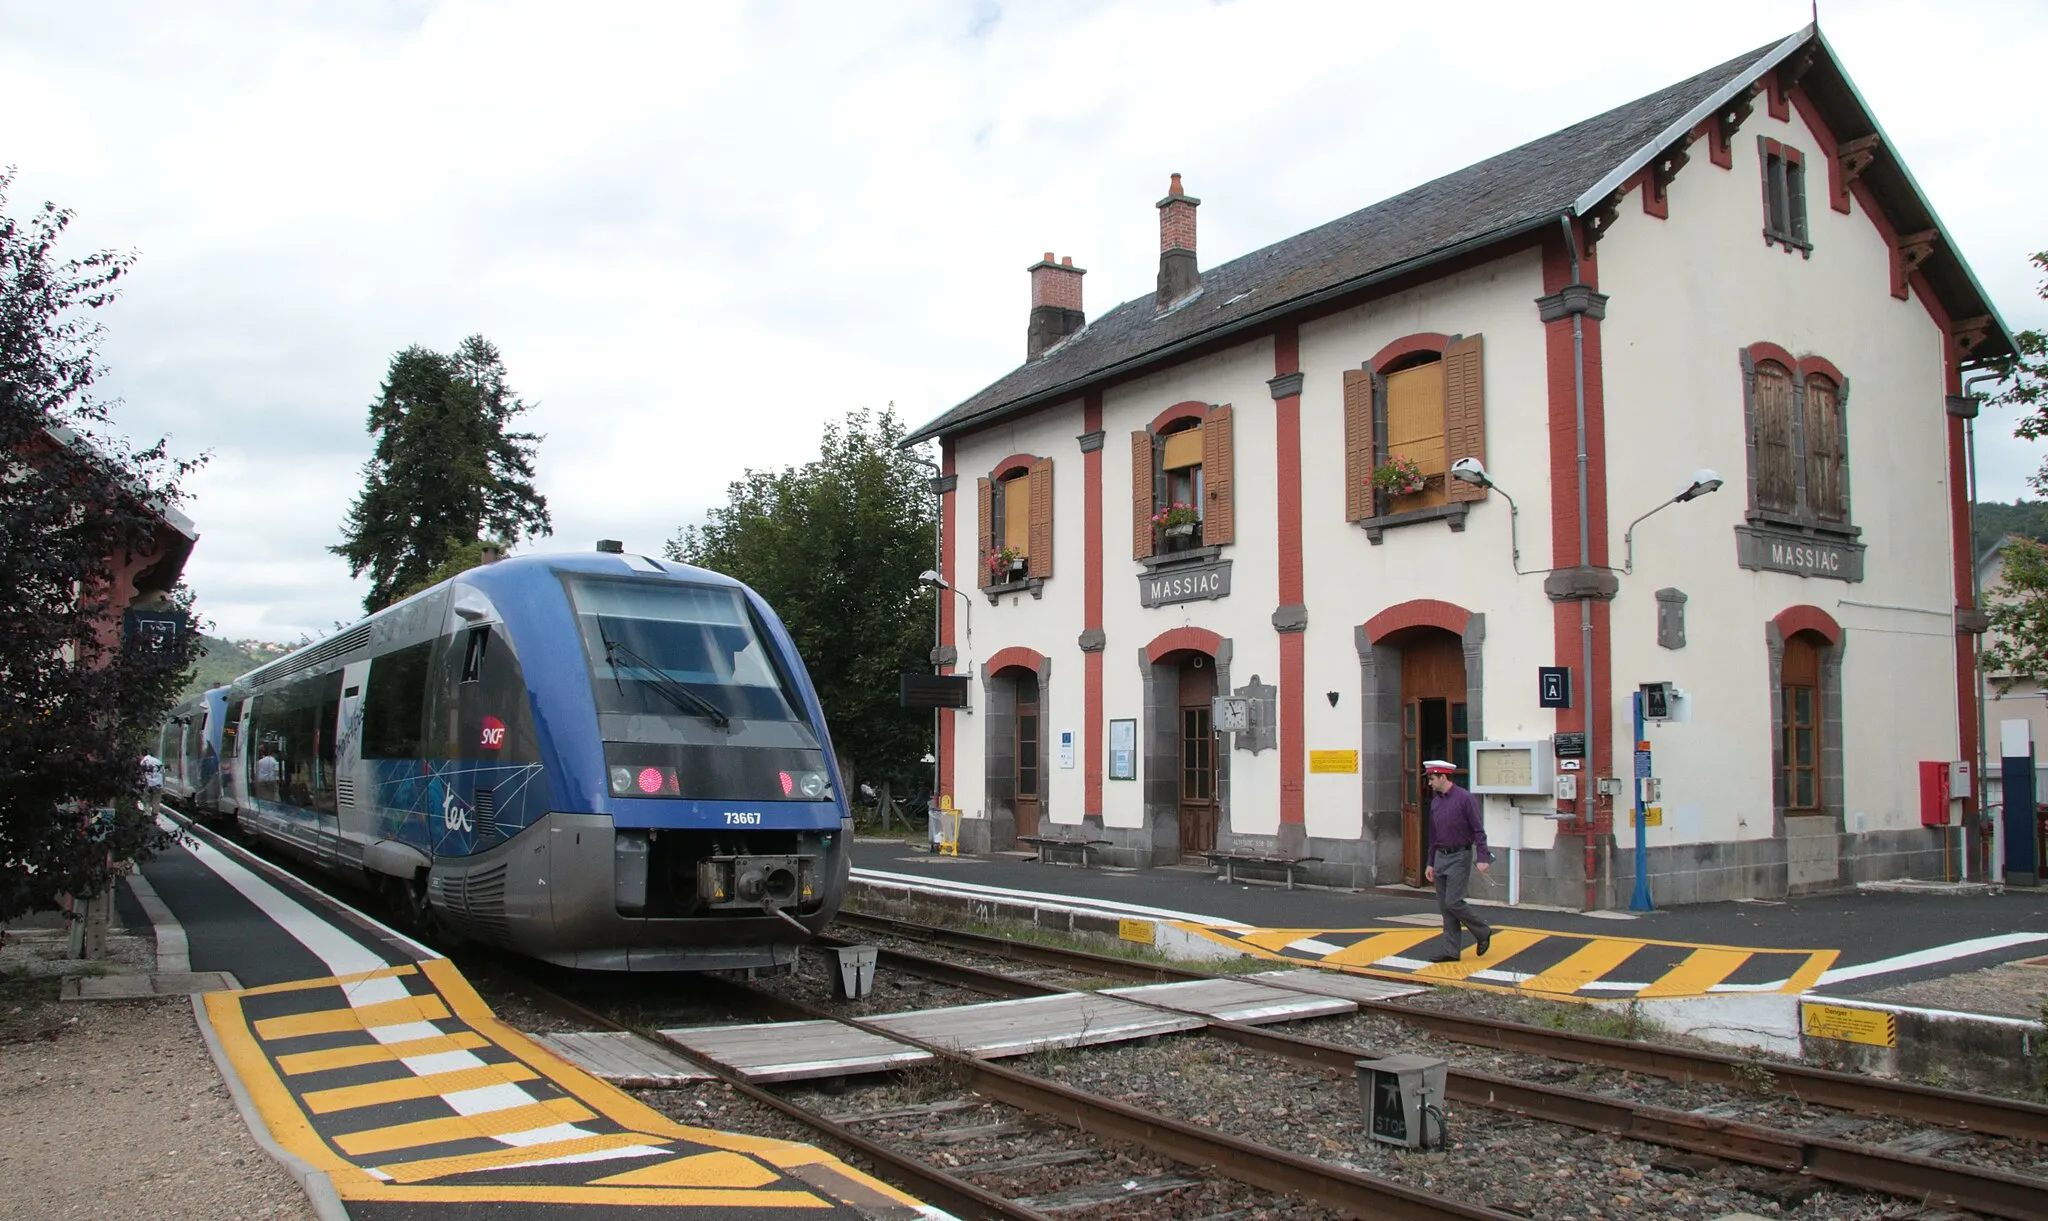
pixel 698 232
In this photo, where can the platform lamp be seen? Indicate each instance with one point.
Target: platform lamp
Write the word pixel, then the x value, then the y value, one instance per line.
pixel 1703 482
pixel 930 576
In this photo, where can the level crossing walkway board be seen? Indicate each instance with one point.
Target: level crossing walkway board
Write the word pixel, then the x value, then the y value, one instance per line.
pixel 404 1090
pixel 1537 962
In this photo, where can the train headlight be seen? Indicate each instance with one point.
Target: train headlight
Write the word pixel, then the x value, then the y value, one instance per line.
pixel 812 785
pixel 644 782
pixel 622 781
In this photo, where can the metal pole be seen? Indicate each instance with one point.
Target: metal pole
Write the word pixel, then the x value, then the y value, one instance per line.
pixel 1641 901
pixel 938 616
pixel 1977 644
pixel 1589 801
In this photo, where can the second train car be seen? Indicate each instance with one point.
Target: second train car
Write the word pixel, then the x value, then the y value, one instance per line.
pixel 601 760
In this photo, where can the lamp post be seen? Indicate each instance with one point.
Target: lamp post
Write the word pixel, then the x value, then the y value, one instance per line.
pixel 1471 470
pixel 930 576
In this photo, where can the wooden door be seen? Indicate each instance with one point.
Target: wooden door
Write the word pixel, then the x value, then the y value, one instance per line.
pixel 1433 726
pixel 1197 757
pixel 1028 735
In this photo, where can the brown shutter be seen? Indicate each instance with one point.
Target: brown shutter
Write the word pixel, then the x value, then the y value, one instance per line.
pixel 1777 483
pixel 1217 495
pixel 1358 455
pixel 1464 413
pixel 985 531
pixel 1141 494
pixel 1039 561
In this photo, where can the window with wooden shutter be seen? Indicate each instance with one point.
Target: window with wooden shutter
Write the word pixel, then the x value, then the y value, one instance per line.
pixel 1464 412
pixel 1824 491
pixel 1218 495
pixel 985 529
pixel 1358 457
pixel 1415 428
pixel 1777 481
pixel 1038 539
pixel 1141 494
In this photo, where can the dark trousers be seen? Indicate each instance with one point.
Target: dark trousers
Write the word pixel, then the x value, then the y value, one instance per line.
pixel 1453 878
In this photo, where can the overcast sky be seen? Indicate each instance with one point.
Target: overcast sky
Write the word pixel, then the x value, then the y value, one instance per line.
pixel 698 232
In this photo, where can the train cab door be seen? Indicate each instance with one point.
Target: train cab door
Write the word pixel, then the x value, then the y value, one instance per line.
pixel 228 799
pixel 353 800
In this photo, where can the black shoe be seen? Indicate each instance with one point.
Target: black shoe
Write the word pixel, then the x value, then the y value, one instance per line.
pixel 1485 940
pixel 1447 957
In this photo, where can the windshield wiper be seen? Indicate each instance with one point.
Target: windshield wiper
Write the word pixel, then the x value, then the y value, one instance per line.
pixel 679 695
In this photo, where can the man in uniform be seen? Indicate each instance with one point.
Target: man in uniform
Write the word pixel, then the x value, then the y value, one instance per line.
pixel 1457 833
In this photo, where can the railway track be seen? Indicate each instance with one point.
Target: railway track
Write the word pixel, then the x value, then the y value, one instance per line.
pixel 1990 1191
pixel 1243 1161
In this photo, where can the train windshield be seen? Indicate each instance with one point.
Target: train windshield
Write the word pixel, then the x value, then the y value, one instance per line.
pixel 677 650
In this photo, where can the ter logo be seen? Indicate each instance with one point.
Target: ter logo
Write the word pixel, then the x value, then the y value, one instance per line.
pixel 494 733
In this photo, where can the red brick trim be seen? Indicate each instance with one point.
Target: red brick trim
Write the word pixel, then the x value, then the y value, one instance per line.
pixel 1174 640
pixel 1419 612
pixel 1191 409
pixel 1091 611
pixel 1011 463
pixel 1015 657
pixel 1643 180
pixel 1764 350
pixel 1293 649
pixel 1823 366
pixel 1409 345
pixel 1774 98
pixel 1824 139
pixel 1795 619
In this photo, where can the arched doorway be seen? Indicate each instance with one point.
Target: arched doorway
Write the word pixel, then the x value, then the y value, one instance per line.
pixel 1016 684
pixel 1434 725
pixel 1195 732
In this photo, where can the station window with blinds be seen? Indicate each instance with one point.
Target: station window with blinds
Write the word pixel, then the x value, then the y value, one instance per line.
pixel 1016 522
pixel 1799 444
pixel 1186 462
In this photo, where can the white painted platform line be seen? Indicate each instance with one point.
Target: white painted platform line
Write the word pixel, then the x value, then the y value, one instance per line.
pixel 173 952
pixel 1923 958
pixel 343 954
pixel 1057 902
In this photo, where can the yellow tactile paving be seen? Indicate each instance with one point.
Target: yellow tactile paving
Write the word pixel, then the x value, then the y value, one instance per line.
pixel 1586 964
pixel 1566 966
pixel 456 1093
pixel 1701 970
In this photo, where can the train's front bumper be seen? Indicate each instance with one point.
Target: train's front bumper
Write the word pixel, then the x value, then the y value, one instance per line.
pixel 575 890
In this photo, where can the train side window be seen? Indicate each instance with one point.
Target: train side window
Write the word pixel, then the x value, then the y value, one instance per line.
pixel 473 656
pixel 394 703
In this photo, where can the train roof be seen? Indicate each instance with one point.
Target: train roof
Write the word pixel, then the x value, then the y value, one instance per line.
pixel 500 575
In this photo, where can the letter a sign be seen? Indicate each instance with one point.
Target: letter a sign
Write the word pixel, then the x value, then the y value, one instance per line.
pixel 1553 686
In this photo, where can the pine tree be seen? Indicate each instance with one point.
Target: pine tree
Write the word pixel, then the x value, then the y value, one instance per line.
pixel 448 470
pixel 76 707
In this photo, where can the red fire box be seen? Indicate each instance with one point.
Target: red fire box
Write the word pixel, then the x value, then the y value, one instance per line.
pixel 1934 794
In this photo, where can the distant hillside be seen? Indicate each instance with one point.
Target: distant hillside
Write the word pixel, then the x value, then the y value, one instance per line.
pixel 221 660
pixel 2026 518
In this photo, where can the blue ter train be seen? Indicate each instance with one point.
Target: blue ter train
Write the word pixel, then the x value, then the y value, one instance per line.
pixel 604 761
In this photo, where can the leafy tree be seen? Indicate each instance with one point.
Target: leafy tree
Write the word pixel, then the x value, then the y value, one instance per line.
pixel 462 556
pixel 76 708
pixel 835 546
pixel 447 470
pixel 2024 518
pixel 2029 388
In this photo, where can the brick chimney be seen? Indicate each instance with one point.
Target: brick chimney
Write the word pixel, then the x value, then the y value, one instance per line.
pixel 1178 273
pixel 1055 304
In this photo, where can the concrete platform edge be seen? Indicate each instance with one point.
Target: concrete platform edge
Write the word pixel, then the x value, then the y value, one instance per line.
pixel 1074 919
pixel 318 1187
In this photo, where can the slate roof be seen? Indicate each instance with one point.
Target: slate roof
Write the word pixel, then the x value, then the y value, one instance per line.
pixel 1502 197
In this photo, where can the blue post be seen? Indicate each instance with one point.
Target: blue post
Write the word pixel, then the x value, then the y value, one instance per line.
pixel 1641 900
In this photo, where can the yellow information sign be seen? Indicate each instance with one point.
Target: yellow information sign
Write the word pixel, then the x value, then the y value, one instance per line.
pixel 1333 761
pixel 1141 931
pixel 1872 1026
pixel 1653 816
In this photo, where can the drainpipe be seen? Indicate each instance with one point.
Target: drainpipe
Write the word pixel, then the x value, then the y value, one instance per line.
pixel 1588 801
pixel 1977 603
pixel 938 608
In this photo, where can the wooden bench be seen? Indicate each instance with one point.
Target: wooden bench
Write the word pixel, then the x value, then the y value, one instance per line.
pixel 1229 862
pixel 1044 843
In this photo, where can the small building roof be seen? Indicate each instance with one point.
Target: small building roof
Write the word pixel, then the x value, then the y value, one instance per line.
pixel 1568 173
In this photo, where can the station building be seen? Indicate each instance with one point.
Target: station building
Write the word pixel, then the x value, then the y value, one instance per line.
pixel 1241 486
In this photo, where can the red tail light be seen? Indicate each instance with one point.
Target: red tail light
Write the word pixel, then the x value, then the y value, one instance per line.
pixel 650 780
pixel 788 783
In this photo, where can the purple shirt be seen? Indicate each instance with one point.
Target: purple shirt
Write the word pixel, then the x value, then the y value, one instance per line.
pixel 1455 822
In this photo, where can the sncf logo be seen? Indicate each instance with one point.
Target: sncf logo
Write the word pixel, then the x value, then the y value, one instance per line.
pixel 494 733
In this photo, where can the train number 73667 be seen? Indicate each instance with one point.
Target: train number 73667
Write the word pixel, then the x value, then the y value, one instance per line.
pixel 736 819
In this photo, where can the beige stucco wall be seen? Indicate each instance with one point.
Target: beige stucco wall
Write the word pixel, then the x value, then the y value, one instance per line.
pixel 1685 296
